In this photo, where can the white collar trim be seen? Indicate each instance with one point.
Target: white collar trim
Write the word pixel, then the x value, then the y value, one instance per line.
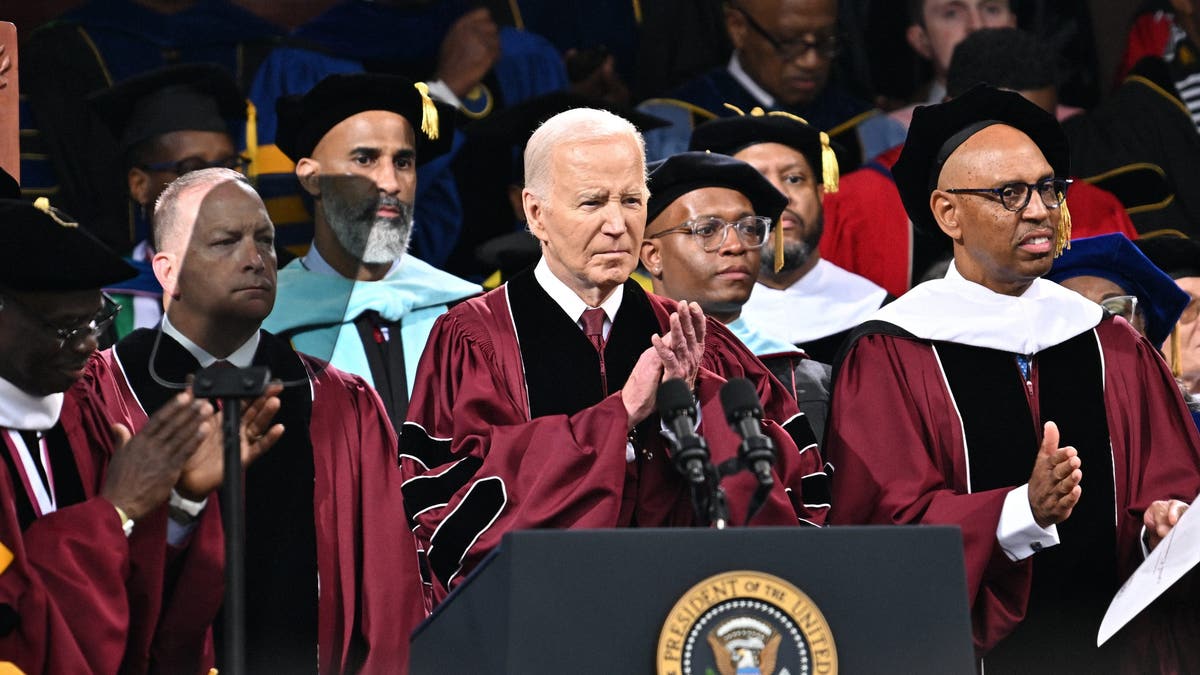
pixel 956 310
pixel 242 357
pixel 570 303
pixel 739 73
pixel 22 410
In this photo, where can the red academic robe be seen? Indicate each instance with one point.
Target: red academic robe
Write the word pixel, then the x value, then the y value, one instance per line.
pixel 478 464
pixel 867 230
pixel 370 596
pixel 896 439
pixel 88 599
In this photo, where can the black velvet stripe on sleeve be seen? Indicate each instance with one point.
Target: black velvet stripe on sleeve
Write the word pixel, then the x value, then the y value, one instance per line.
pixel 473 515
pixel 416 443
pixel 424 492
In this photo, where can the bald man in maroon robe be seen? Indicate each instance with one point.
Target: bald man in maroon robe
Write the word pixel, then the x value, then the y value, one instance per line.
pixel 1048 430
pixel 331 568
pixel 534 403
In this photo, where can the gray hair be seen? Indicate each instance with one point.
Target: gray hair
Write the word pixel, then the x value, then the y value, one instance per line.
pixel 577 124
pixel 167 218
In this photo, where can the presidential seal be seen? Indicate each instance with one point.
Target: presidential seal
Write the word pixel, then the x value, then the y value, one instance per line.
pixel 745 623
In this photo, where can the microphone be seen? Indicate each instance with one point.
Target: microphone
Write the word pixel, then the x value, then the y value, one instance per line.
pixel 677 408
pixel 744 413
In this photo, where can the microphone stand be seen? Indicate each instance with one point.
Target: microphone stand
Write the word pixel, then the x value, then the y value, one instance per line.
pixel 230 386
pixel 718 508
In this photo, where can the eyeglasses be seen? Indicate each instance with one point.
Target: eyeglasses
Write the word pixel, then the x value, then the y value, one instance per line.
pixel 1125 306
pixel 826 46
pixel 190 164
pixel 711 231
pixel 95 327
pixel 1015 196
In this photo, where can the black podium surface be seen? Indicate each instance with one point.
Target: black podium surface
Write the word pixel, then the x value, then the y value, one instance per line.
pixel 596 601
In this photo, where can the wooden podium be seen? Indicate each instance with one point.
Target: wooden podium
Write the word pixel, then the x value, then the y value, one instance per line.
pixel 887 599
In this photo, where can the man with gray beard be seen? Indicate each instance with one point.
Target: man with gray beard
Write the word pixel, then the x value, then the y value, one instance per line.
pixel 799 297
pixel 356 298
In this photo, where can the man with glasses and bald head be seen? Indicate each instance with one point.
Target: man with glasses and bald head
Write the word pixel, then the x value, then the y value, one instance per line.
pixel 1046 429
pixel 783 52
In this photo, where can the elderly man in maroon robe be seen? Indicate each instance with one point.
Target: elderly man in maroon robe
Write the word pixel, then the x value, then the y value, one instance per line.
pixel 534 404
pixel 82 505
pixel 1048 430
pixel 331 568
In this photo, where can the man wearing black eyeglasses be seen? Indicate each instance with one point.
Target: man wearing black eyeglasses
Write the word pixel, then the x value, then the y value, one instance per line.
pixel 801 298
pixel 167 122
pixel 1047 430
pixel 83 552
pixel 782 57
pixel 704 243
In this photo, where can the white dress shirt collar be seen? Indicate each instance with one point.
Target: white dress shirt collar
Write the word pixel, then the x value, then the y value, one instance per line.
pixel 242 357
pixel 571 303
pixel 739 73
pixel 22 410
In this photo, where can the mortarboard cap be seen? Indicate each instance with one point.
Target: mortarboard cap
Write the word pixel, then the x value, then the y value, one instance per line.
pixel 937 131
pixel 192 97
pixel 304 120
pixel 1114 257
pixel 44 249
pixel 680 174
pixel 1179 257
pixel 731 135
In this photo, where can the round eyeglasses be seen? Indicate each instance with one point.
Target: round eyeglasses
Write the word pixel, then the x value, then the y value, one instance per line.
pixel 711 231
pixel 1015 196
pixel 1121 305
pixel 94 328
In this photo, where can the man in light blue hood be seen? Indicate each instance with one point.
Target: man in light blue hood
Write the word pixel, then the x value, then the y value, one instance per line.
pixel 356 298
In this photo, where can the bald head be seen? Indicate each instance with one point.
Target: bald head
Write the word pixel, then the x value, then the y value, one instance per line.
pixel 177 207
pixel 999 248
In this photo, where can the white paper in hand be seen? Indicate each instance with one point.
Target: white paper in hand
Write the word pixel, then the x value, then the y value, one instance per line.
pixel 1177 553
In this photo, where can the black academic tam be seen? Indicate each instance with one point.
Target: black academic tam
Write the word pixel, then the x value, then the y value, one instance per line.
pixel 44 249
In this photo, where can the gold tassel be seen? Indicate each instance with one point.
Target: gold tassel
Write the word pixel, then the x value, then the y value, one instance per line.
pixel 1062 238
pixel 735 109
pixel 252 140
pixel 829 165
pixel 1176 366
pixel 778 247
pixel 429 114
pixel 43 204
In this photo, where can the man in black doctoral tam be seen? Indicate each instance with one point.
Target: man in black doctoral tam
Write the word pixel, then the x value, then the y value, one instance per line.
pixel 357 140
pixel 1013 408
pixel 166 122
pixel 332 580
pixel 800 297
pixel 82 520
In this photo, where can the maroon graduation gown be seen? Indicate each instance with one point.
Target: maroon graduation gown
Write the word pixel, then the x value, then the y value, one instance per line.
pixel 370 595
pixel 477 463
pixel 896 438
pixel 77 589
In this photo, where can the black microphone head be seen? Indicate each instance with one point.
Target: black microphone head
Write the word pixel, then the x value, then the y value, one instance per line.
pixel 739 398
pixel 674 395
